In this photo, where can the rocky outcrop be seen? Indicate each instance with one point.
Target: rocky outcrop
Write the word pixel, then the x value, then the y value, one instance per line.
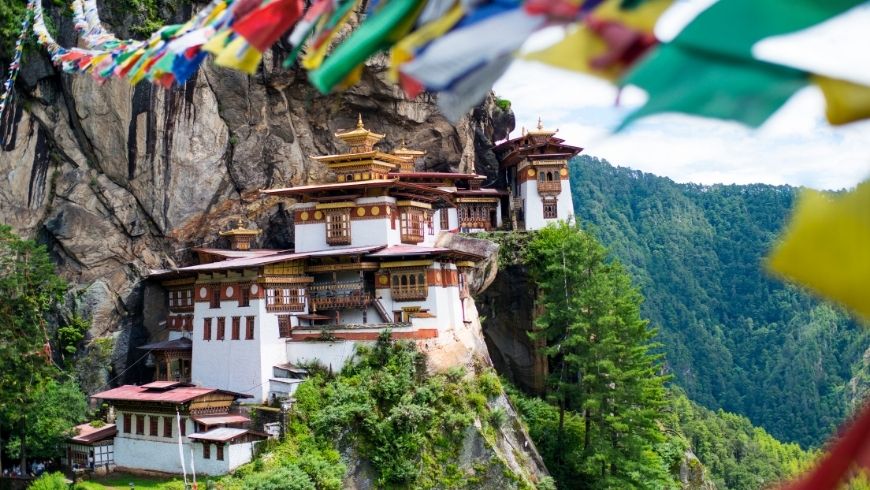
pixel 693 475
pixel 118 180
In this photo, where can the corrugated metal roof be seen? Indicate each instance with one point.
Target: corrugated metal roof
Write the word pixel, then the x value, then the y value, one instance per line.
pixel 182 343
pixel 177 395
pixel 88 434
pixel 400 250
pixel 164 385
pixel 221 434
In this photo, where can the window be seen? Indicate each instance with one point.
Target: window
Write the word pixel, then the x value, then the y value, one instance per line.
pixel 409 285
pixel 249 328
pixel 152 426
pixel 430 222
pixel 237 323
pixel 221 327
pixel 445 219
pixel 285 299
pixel 549 209
pixel 188 323
pixel 140 425
pixel 215 301
pixel 206 451
pixel 245 296
pixel 284 326
pixel 167 427
pixel 183 426
pixel 338 227
pixel 128 423
pixel 220 452
pixel 206 329
pixel 412 222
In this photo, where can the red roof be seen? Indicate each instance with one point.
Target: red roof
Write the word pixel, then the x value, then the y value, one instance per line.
pixel 235 254
pixel 401 250
pixel 177 395
pixel 164 385
pixel 480 192
pixel 436 175
pixel 88 434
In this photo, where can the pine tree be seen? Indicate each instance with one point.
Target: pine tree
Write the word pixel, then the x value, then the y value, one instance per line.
pixel 601 365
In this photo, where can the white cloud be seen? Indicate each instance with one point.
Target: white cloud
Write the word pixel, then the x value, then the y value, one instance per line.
pixel 795 147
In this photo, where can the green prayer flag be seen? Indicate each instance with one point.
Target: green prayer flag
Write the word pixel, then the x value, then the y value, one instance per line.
pixel 732 27
pixel 691 82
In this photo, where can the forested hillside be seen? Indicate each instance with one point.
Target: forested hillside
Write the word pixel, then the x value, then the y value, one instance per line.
pixel 733 337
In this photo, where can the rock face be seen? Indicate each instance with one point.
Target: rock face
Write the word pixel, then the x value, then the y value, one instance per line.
pixel 118 180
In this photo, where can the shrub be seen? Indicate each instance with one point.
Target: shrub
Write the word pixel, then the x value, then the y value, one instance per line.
pixel 289 477
pixel 498 417
pixel 50 481
pixel 489 384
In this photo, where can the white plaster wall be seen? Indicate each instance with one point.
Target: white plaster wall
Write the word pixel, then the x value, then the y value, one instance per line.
pixel 235 455
pixel 149 454
pixel 565 207
pixel 365 232
pixel 309 237
pixel 240 454
pixel 534 209
pixel 237 365
pixel 332 355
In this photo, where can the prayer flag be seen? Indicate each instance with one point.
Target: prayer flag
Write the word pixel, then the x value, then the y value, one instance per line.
pixel 262 27
pixel 826 247
pixel 845 101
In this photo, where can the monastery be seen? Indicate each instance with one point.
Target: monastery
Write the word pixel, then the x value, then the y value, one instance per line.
pixel 368 257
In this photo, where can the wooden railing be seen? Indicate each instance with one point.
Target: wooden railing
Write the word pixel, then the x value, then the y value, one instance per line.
pixel 412 237
pixel 338 239
pixel 291 307
pixel 409 294
pixel 355 299
pixel 550 186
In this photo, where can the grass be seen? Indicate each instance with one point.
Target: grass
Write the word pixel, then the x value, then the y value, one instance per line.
pixel 118 481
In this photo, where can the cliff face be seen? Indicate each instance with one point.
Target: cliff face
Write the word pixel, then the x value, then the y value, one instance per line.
pixel 118 180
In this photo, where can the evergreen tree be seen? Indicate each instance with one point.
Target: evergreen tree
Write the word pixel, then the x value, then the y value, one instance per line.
pixel 601 366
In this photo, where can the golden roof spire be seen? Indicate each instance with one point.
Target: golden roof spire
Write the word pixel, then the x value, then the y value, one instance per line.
pixel 360 140
pixel 540 123
pixel 359 123
pixel 409 155
pixel 540 131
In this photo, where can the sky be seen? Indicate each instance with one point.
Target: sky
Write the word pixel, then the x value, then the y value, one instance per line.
pixel 796 146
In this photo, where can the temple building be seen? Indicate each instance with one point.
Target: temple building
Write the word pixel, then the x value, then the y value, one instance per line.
pixel 153 419
pixel 534 171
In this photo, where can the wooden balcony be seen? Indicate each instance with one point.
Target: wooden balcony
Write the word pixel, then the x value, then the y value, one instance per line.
pixel 409 294
pixel 288 307
pixel 356 299
pixel 338 239
pixel 552 186
pixel 412 237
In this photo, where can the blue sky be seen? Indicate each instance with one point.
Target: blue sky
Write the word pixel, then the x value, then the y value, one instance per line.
pixel 796 146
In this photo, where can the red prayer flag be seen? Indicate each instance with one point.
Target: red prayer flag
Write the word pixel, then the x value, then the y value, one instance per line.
pixel 263 26
pixel 852 448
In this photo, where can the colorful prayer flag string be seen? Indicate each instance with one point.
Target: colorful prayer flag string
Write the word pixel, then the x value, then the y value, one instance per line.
pixel 14 68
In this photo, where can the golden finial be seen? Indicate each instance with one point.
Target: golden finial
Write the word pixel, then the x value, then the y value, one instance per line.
pixel 523 131
pixel 540 123
pixel 359 123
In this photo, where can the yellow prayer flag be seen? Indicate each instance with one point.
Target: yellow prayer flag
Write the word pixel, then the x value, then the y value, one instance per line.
pixel 826 247
pixel 580 46
pixel 239 55
pixel 314 59
pixel 403 51
pixel 845 101
pixel 217 44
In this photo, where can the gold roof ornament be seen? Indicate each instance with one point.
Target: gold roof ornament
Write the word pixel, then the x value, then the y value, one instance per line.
pixel 240 237
pixel 410 155
pixel 360 140
pixel 540 131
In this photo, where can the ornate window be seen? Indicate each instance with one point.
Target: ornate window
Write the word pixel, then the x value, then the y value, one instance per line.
pixel 285 299
pixel 249 328
pixel 284 326
pixel 338 227
pixel 550 210
pixel 245 296
pixel 412 223
pixel 206 329
pixel 221 327
pixel 444 215
pixel 409 285
pixel 215 300
pixel 237 326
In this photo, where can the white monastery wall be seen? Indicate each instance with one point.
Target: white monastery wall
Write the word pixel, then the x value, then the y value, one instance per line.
pixel 332 355
pixel 149 454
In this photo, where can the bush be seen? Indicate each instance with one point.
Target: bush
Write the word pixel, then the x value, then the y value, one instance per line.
pixel 50 481
pixel 289 477
pixel 498 417
pixel 489 384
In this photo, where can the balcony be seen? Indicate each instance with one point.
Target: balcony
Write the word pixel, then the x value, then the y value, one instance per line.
pixel 552 186
pixel 409 294
pixel 338 238
pixel 339 295
pixel 287 307
pixel 412 238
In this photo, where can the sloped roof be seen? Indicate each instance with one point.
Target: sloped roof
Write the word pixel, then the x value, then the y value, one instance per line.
pixel 88 434
pixel 221 434
pixel 177 395
pixel 182 343
pixel 221 419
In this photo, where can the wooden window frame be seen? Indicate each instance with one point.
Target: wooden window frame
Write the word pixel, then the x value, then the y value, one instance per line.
pixel 284 326
pixel 128 423
pixel 219 454
pixel 412 225
pixel 206 329
pixel 249 328
pixel 221 328
pixel 236 328
pixel 214 301
pixel 285 298
pixel 206 451
pixel 244 296
pixel 338 227
pixel 551 209
pixel 167 427
pixel 409 285
pixel 153 426
pixel 444 216
pixel 140 425
pixel 183 427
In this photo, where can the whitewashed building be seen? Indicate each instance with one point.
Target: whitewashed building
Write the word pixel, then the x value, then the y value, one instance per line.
pixel 534 171
pixel 152 418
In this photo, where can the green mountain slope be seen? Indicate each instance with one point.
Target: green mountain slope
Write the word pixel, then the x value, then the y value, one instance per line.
pixel 734 338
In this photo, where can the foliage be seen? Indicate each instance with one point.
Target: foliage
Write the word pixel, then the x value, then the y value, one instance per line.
pixel 503 104
pixel 386 409
pixel 71 334
pixel 57 407
pixel 11 16
pixel 601 367
pixel 124 481
pixel 30 293
pixel 289 477
pixel 733 337
pixel 50 481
